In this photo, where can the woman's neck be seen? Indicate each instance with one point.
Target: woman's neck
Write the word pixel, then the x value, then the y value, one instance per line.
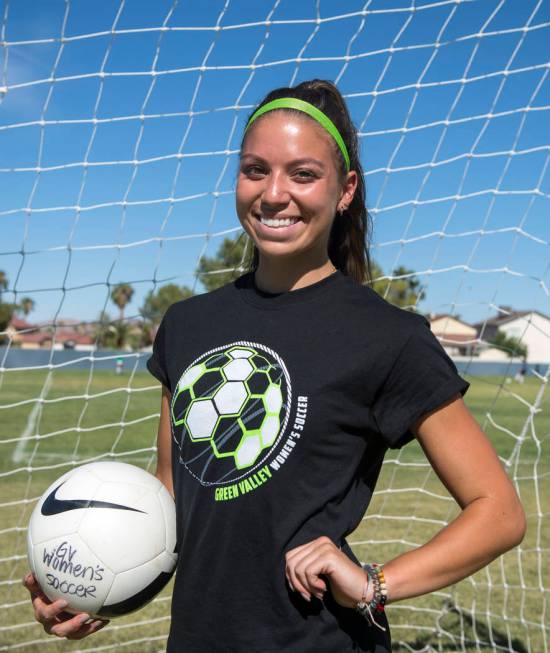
pixel 279 276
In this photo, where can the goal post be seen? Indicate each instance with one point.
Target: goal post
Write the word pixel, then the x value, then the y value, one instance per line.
pixel 120 126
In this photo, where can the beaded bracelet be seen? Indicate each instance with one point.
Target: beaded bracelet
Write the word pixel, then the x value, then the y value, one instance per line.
pixel 375 573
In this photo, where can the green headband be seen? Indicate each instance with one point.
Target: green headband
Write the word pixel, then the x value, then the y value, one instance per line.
pixel 314 112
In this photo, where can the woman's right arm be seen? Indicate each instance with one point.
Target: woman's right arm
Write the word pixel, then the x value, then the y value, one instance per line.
pixel 51 614
pixel 164 443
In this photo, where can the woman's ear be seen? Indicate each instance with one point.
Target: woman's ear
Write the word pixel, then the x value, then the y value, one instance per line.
pixel 350 186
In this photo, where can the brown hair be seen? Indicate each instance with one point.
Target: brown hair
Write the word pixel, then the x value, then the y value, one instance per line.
pixel 350 234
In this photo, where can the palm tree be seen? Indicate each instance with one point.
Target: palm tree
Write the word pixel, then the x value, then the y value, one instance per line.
pixel 121 294
pixel 27 305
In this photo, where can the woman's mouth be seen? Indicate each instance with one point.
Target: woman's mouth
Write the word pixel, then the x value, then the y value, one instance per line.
pixel 278 222
pixel 280 226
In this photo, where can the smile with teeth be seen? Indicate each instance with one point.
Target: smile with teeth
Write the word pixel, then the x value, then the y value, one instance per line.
pixel 271 222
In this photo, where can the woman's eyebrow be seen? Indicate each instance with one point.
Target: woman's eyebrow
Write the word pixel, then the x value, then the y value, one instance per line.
pixel 249 155
pixel 294 162
pixel 306 160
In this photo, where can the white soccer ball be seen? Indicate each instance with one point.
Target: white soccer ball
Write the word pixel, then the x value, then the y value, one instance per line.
pixel 103 537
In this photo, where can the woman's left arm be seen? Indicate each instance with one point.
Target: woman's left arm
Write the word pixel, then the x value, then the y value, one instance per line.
pixel 491 521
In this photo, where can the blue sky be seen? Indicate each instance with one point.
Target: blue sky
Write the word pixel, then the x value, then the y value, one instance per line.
pixel 436 211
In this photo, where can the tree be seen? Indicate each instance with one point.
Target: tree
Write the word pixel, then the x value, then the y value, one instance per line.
pixel 3 283
pixel 512 346
pixel 403 289
pixel 26 305
pixel 119 333
pixel 157 303
pixel 121 295
pixel 6 312
pixel 230 257
pixel 104 331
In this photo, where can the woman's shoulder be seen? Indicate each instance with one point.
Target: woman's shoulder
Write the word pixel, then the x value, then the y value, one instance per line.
pixel 376 310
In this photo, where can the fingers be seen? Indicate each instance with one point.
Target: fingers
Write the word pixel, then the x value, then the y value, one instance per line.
pixel 305 564
pixel 32 585
pixel 45 611
pixel 37 595
pixel 53 618
pixel 88 629
pixel 76 627
pixel 304 576
pixel 68 627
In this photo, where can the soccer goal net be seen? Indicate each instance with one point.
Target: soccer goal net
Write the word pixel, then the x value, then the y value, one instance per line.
pixel 120 124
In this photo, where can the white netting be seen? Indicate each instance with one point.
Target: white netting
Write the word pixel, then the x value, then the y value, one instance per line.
pixel 120 125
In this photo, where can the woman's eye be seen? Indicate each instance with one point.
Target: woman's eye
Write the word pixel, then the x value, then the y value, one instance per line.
pixel 305 174
pixel 253 171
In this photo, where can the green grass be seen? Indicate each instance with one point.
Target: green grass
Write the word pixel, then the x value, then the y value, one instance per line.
pixel 501 607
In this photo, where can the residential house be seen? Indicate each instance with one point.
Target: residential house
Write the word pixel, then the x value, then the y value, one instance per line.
pixel 457 337
pixel 41 336
pixel 531 328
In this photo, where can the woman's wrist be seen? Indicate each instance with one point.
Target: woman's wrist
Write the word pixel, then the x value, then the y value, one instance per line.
pixel 367 589
pixel 374 597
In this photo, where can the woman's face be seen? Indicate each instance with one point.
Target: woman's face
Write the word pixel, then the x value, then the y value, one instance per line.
pixel 288 187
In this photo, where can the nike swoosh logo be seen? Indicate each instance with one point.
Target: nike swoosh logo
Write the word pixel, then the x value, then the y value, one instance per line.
pixel 54 506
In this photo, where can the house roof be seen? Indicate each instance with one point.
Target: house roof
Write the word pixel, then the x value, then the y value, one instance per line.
pixel 455 338
pixel 78 338
pixel 21 325
pixel 82 326
pixel 502 319
pixel 437 316
pixel 433 317
pixel 35 337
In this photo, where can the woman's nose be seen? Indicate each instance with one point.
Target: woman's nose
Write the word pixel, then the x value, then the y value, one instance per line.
pixel 275 192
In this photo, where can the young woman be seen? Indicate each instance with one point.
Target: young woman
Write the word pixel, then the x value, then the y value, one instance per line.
pixel 281 394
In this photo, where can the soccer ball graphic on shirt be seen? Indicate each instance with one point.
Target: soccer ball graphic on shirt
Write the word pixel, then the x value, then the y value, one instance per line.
pixel 228 410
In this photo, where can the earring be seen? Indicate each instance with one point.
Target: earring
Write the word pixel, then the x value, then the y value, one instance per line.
pixel 341 210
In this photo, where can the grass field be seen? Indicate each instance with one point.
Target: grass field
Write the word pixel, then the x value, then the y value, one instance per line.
pixel 83 417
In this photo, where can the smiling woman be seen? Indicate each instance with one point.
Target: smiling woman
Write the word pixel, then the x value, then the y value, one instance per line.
pixel 305 214
pixel 282 392
pixel 286 202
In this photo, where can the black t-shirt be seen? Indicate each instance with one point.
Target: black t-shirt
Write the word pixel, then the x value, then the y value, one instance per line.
pixel 283 406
